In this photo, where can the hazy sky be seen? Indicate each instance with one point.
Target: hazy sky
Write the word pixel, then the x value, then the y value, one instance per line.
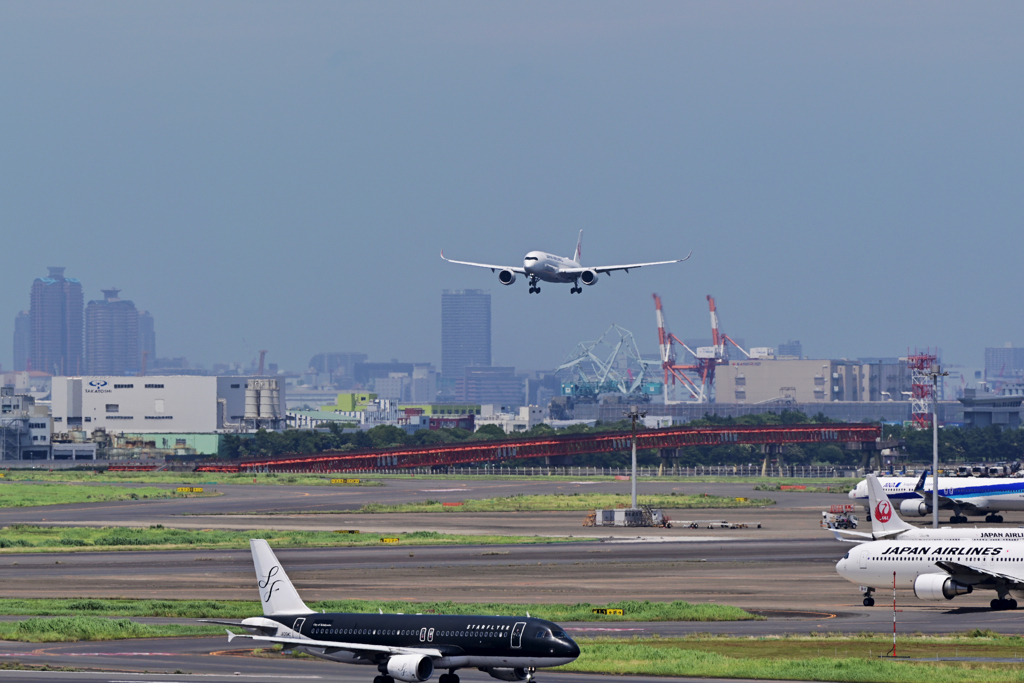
pixel 282 175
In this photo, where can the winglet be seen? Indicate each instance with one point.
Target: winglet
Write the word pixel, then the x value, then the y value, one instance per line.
pixel 231 636
pixel 687 256
pixel 442 255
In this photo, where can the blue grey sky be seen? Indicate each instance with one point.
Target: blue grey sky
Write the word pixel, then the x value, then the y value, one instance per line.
pixel 282 175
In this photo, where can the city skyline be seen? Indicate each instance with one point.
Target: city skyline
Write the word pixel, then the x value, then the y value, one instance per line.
pixel 842 173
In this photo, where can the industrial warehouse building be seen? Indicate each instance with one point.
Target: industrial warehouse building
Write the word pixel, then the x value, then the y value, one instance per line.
pixel 170 404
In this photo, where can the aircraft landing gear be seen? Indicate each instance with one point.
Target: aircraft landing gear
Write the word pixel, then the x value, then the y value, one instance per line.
pixel 449 677
pixel 534 289
pixel 576 289
pixel 530 674
pixel 995 519
pixel 383 679
pixel 1003 603
pixel 868 600
pixel 958 519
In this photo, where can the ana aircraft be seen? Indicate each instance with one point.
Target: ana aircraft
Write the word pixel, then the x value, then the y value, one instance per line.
pixel 887 525
pixel 542 266
pixel 976 496
pixel 407 647
pixel 939 569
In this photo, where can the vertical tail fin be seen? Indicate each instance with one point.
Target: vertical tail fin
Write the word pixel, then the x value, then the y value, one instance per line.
pixel 577 255
pixel 277 593
pixel 884 519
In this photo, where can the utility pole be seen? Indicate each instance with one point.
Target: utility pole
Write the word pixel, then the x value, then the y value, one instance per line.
pixel 634 413
pixel 935 372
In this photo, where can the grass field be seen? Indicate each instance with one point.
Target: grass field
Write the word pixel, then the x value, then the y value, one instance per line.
pixel 73 628
pixel 573 501
pixel 806 659
pixel 20 538
pixel 16 495
pixel 183 478
pixel 239 609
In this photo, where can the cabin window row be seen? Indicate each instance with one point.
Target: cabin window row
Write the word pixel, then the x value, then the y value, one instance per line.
pixel 893 558
pixel 402 632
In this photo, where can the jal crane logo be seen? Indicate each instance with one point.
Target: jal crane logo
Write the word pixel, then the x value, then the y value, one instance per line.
pixel 883 511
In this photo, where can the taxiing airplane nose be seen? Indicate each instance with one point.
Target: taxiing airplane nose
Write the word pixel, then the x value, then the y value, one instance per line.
pixel 853 493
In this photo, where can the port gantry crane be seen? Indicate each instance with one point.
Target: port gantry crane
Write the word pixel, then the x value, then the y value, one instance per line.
pixel 707 358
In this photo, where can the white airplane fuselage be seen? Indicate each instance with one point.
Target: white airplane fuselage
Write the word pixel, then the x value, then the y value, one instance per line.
pixel 983 495
pixel 547 267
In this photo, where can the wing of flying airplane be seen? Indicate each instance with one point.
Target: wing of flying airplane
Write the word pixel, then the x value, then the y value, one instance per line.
pixel 514 269
pixel 626 267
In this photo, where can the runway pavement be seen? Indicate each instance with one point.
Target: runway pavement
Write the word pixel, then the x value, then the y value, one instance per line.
pixel 784 570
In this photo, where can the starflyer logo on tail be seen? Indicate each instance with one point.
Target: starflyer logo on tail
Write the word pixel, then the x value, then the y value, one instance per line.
pixel 540 266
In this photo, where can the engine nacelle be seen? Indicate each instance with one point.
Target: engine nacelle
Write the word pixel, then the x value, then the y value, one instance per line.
pixel 506 674
pixel 589 277
pixel 914 507
pixel 411 668
pixel 939 587
pixel 506 277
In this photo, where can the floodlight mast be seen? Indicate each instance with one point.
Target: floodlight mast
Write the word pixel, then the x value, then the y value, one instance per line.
pixel 935 372
pixel 633 413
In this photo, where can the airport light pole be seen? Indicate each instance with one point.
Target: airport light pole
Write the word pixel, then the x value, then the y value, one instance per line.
pixel 935 372
pixel 634 413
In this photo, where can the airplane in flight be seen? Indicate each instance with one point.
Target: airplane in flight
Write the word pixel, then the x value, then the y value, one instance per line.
pixel 541 266
pixel 976 496
pixel 406 647
pixel 939 569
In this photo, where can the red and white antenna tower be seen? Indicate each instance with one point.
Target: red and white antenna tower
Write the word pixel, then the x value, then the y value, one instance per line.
pixel 921 397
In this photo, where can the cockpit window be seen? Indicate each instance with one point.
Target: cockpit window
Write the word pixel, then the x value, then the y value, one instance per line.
pixel 846 556
pixel 559 634
pixel 543 633
pixel 530 258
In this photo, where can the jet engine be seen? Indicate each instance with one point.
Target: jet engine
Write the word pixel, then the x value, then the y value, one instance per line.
pixel 506 277
pixel 589 277
pixel 411 668
pixel 506 674
pixel 914 507
pixel 939 587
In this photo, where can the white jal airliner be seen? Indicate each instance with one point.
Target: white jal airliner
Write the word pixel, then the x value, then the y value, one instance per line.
pixel 539 265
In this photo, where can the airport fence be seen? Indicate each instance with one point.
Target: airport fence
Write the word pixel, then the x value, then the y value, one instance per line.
pixel 792 472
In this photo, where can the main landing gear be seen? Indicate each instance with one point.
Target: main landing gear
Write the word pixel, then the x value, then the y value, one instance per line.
pixel 448 678
pixel 960 519
pixel 868 600
pixel 1003 602
pixel 995 519
pixel 576 289
pixel 534 289
pixel 383 679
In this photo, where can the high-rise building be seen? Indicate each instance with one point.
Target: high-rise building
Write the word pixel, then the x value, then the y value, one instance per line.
pixel 1006 361
pixel 111 336
pixel 22 340
pixel 147 337
pixel 496 385
pixel 465 331
pixel 791 349
pixel 55 321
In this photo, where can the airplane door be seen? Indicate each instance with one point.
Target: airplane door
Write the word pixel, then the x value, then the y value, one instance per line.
pixel 864 559
pixel 517 634
pixel 299 623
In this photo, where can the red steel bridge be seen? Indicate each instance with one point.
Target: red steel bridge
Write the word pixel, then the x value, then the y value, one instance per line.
pixel 854 436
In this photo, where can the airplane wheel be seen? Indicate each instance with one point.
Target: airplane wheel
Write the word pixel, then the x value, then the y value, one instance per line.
pixel 869 602
pixel 994 604
pixel 999 519
pixel 380 679
pixel 1013 603
pixel 537 289
pixel 954 519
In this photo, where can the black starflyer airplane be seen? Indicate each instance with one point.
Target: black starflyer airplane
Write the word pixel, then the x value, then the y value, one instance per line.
pixel 406 647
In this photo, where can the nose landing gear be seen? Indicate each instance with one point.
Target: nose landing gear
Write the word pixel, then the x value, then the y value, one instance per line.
pixel 868 600
pixel 534 289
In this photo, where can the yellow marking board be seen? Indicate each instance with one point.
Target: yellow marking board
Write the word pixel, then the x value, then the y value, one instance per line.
pixel 610 611
pixel 389 540
pixel 346 531
pixel 189 489
pixel 344 481
pixel 741 500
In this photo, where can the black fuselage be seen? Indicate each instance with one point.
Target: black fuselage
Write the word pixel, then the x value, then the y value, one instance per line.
pixel 464 641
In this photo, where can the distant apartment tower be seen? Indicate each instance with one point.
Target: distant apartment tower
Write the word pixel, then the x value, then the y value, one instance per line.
pixel 465 331
pixel 22 340
pixel 496 385
pixel 55 322
pixel 336 363
pixel 791 349
pixel 147 337
pixel 111 336
pixel 1006 361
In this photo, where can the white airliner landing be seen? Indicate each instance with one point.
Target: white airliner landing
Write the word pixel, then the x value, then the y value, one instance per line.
pixel 539 265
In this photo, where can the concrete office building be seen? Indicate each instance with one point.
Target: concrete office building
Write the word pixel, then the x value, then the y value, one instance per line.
pixel 22 340
pixel 147 337
pixel 111 336
pixel 55 320
pixel 465 331
pixel 497 385
pixel 1006 361
pixel 169 403
pixel 25 427
pixel 811 381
